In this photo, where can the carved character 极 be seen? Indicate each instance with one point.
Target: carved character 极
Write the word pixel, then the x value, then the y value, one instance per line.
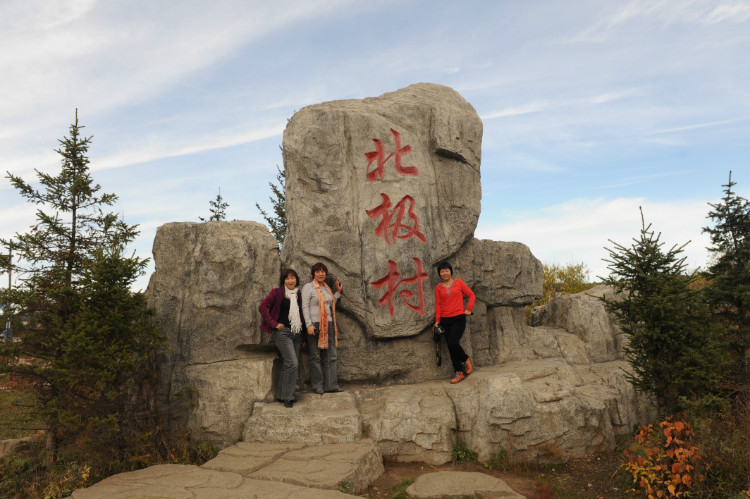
pixel 392 222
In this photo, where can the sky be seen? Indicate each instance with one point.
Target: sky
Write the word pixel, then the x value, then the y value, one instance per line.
pixel 591 108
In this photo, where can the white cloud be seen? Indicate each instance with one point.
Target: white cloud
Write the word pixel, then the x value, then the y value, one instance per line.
pixel 666 13
pixel 695 126
pixel 160 150
pixel 117 53
pixel 579 230
pixel 530 107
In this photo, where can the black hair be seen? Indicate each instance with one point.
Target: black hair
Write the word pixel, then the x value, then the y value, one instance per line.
pixel 286 274
pixel 444 265
pixel 318 266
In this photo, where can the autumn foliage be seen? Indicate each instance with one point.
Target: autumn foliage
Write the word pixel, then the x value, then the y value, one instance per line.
pixel 663 464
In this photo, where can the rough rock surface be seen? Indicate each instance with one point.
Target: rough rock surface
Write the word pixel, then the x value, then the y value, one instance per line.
pixel 450 484
pixel 584 316
pixel 542 411
pixel 224 393
pixel 388 179
pixel 314 419
pixel 353 466
pixel 208 282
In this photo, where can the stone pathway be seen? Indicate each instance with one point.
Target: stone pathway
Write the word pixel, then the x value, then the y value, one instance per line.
pixel 449 484
pixel 254 470
pixel 279 470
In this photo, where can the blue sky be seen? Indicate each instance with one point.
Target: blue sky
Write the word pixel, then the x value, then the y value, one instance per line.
pixel 590 108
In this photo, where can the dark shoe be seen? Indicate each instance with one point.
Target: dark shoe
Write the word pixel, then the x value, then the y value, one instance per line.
pixel 319 391
pixel 458 378
pixel 289 403
pixel 280 401
pixel 335 390
pixel 468 368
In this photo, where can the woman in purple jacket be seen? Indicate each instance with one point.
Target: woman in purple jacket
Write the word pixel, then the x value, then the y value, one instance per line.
pixel 282 315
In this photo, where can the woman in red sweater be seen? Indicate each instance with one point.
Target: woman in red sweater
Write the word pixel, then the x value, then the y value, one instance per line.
pixel 451 315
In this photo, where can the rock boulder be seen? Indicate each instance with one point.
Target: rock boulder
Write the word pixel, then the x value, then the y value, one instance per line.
pixel 208 282
pixel 381 190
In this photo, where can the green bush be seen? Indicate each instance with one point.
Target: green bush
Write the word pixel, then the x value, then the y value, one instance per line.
pixel 462 454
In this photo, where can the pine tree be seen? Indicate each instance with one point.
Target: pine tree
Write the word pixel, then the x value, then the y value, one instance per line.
pixel 672 350
pixel 85 337
pixel 217 208
pixel 277 222
pixel 729 278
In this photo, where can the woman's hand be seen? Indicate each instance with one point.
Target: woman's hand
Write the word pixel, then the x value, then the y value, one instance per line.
pixel 279 326
pixel 467 312
pixel 311 330
pixel 339 286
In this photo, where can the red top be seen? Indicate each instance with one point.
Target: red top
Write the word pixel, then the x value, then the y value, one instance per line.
pixel 450 302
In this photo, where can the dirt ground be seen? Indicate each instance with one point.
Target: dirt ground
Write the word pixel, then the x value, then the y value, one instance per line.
pixel 594 477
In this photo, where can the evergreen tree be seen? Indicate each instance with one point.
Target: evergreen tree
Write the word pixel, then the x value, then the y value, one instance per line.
pixel 672 350
pixel 277 222
pixel 729 278
pixel 86 339
pixel 217 208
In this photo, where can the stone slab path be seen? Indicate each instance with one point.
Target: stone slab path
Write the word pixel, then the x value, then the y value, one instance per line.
pixel 280 470
pixel 253 470
pixel 450 484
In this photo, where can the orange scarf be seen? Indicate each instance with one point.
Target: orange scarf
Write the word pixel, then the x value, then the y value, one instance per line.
pixel 323 334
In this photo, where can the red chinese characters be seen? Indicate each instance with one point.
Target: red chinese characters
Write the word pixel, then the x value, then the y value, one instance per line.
pixel 379 155
pixel 392 283
pixel 398 222
pixel 391 226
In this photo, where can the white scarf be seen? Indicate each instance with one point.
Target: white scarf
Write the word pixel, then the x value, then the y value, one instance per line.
pixel 294 317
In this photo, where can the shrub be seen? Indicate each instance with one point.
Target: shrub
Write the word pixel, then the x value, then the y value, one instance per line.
pixel 724 440
pixel 462 454
pixel 663 464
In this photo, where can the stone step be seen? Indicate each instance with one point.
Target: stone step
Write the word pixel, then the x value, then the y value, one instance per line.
pixel 314 420
pixel 537 411
pixel 351 466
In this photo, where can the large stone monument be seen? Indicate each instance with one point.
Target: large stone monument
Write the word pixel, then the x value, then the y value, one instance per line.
pixel 381 190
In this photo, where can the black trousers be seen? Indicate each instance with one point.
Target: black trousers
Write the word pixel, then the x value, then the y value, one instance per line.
pixel 454 330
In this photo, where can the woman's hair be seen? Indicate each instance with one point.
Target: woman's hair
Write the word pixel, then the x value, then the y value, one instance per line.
pixel 286 274
pixel 318 266
pixel 444 265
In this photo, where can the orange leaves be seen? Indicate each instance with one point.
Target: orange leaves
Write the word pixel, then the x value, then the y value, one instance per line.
pixel 662 465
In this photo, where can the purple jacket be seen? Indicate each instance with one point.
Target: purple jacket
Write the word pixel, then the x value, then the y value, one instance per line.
pixel 270 308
